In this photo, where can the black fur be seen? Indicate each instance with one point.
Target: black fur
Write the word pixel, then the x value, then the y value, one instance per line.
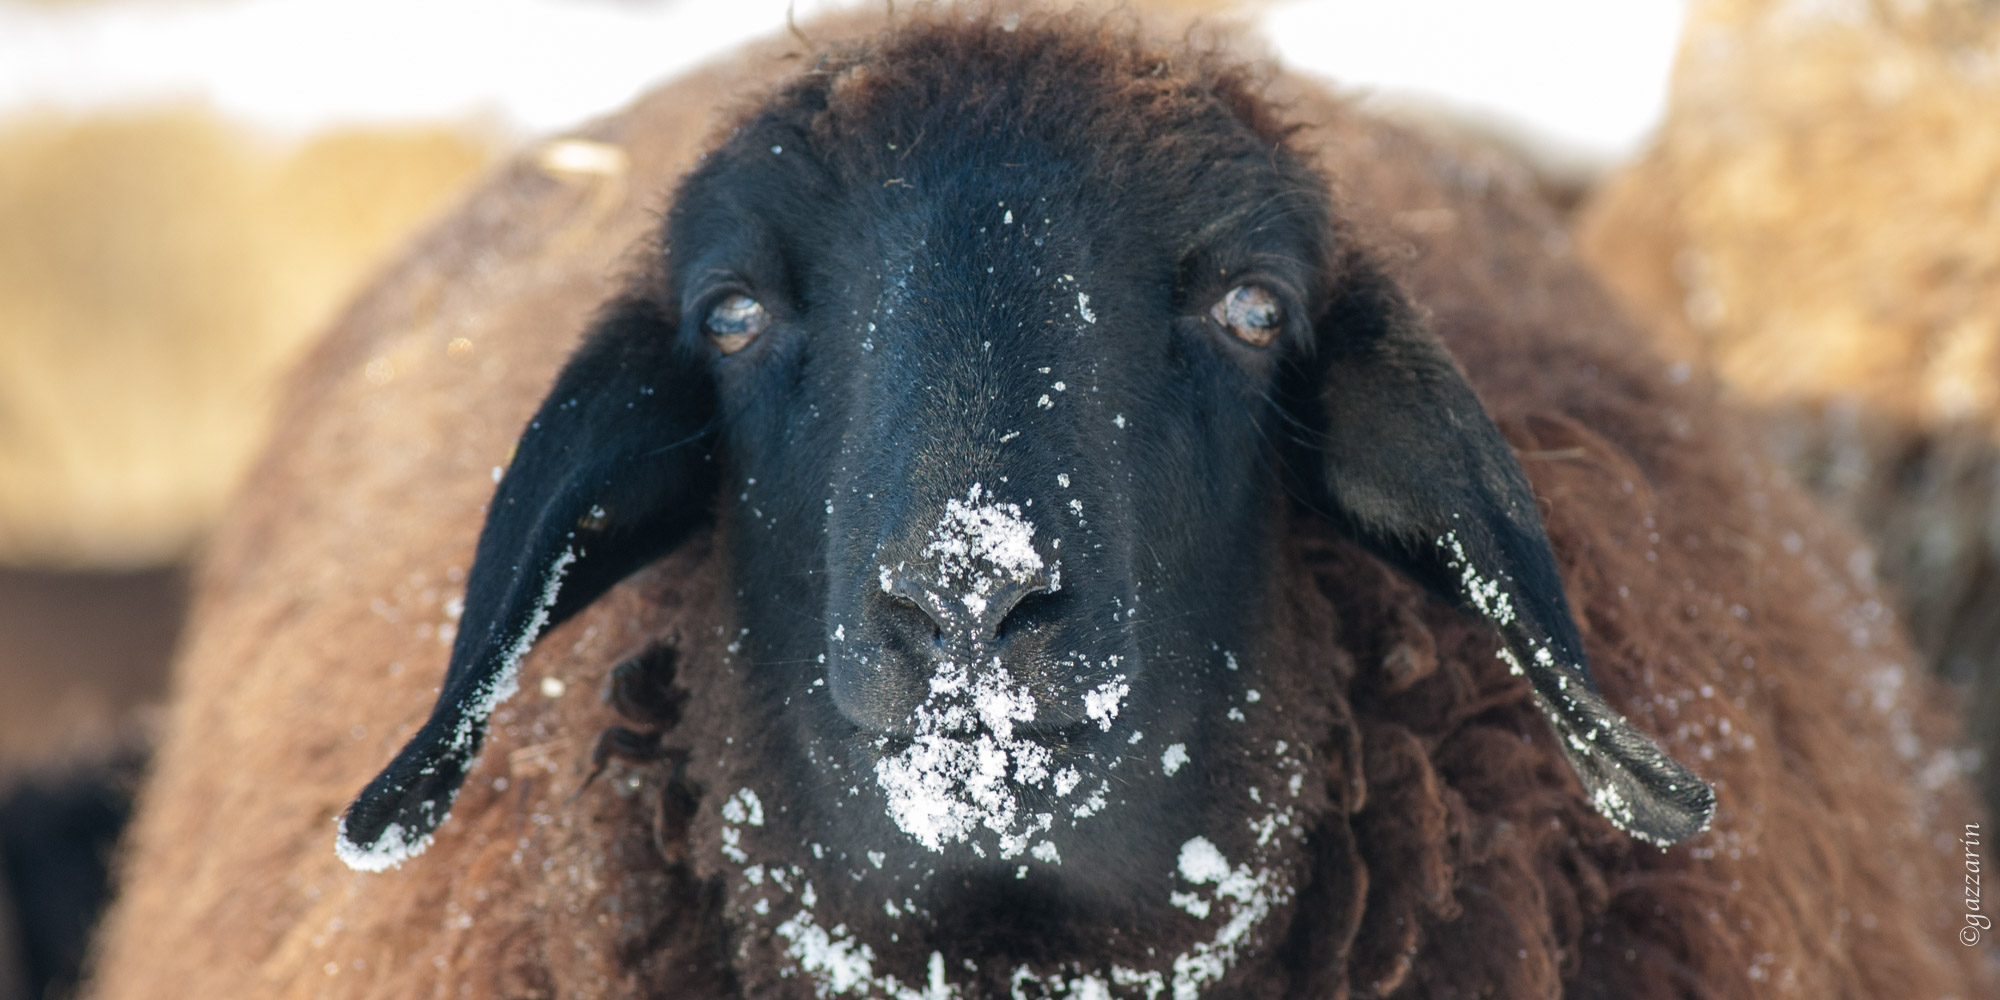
pixel 989 270
pixel 57 836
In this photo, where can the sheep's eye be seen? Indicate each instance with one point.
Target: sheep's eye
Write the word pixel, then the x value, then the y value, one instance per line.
pixel 734 322
pixel 1252 313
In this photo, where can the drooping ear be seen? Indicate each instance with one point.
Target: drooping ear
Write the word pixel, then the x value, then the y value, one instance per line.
pixel 614 469
pixel 1402 456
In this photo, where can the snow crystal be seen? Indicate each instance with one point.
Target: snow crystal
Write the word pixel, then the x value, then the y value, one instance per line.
pixel 1201 862
pixel 396 845
pixel 839 965
pixel 507 680
pixel 744 807
pixel 1103 703
pixel 1248 893
pixel 969 539
pixel 944 785
pixel 1486 595
pixel 1066 780
pixel 836 962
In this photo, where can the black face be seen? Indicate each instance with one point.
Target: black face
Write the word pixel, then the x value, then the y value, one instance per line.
pixel 998 457
pixel 1007 357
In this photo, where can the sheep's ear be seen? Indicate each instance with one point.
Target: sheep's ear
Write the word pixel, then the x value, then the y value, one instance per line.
pixel 613 470
pixel 1409 464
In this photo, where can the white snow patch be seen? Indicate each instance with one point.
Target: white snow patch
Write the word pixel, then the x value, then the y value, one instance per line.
pixel 1083 308
pixel 839 965
pixel 966 770
pixel 744 807
pixel 976 548
pixel 507 680
pixel 1248 895
pixel 740 809
pixel 396 845
pixel 1104 702
pixel 1173 759
pixel 1066 780
pixel 1201 862
pixel 1485 594
pixel 732 845
pixel 836 961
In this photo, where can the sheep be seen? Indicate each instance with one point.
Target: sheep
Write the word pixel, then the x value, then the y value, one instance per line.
pixel 1352 792
pixel 1773 233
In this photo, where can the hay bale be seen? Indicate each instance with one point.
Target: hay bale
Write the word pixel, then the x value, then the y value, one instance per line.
pixel 158 270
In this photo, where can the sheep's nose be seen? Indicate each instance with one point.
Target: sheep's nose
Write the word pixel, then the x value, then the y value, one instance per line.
pixel 915 622
pixel 965 620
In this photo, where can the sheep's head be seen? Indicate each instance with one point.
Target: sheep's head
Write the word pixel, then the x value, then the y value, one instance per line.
pixel 1008 354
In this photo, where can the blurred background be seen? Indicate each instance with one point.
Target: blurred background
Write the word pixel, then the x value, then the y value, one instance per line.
pixel 1801 197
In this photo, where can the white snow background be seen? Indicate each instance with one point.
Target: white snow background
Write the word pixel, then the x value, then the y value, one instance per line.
pixel 1582 81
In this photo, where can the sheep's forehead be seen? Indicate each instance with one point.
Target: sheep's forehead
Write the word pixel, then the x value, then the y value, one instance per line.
pixel 1054 89
pixel 1096 79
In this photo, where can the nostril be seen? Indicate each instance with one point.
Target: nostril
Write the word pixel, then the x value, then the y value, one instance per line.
pixel 988 613
pixel 925 617
pixel 911 619
pixel 1034 606
pixel 910 598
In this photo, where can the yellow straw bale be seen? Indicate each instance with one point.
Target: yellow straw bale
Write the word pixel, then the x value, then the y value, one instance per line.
pixel 157 272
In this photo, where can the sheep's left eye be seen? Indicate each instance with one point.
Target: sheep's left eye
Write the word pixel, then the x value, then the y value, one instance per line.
pixel 734 322
pixel 1252 313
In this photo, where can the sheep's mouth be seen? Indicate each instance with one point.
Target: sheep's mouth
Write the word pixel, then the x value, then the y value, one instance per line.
pixel 988 787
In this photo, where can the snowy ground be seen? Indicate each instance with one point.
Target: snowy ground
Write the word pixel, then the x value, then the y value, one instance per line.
pixel 1584 78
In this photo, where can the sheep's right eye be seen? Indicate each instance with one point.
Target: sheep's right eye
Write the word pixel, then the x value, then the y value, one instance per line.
pixel 734 322
pixel 1252 313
